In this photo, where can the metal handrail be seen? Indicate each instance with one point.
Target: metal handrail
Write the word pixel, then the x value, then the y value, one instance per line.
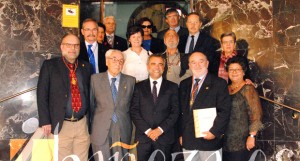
pixel 280 104
pixel 17 94
pixel 34 88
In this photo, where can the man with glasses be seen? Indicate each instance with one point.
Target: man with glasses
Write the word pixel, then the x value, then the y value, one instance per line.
pixel 111 94
pixel 63 99
pixel 172 19
pixel 203 91
pixel 198 40
pixel 115 42
pixel 90 49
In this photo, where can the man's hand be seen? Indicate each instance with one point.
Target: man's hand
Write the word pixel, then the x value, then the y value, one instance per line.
pixel 154 134
pixel 47 129
pixel 180 140
pixel 209 135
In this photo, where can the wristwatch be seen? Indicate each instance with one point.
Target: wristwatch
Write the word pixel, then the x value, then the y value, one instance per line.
pixel 251 135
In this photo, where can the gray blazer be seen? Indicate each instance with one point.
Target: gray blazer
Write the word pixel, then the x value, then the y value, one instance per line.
pixel 102 107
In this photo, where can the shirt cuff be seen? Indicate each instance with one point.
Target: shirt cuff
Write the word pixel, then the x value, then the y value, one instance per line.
pixel 162 131
pixel 147 131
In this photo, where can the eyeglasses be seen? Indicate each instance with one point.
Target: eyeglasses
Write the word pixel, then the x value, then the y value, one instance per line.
pixel 76 46
pixel 234 70
pixel 228 42
pixel 147 26
pixel 114 59
pixel 93 30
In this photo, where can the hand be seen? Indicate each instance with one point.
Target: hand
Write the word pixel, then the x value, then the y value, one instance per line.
pixel 249 82
pixel 180 140
pixel 154 134
pixel 250 143
pixel 47 129
pixel 209 135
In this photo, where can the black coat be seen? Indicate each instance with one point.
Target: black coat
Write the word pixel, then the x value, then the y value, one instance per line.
pixel 207 45
pixel 120 43
pixel 145 114
pixel 53 89
pixel 182 31
pixel 213 93
pixel 101 56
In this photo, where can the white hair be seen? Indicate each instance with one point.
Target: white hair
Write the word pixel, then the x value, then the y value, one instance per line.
pixel 109 17
pixel 110 51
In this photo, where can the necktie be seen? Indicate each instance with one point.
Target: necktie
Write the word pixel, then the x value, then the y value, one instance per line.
pixel 154 92
pixel 114 93
pixel 194 92
pixel 191 48
pixel 92 57
pixel 75 92
pixel 110 40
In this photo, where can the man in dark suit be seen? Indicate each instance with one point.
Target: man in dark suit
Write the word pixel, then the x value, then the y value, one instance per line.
pixel 115 42
pixel 202 91
pixel 197 40
pixel 63 99
pixel 172 19
pixel 154 111
pixel 90 50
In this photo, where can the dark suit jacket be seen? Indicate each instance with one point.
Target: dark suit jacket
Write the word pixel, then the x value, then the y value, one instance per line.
pixel 120 43
pixel 53 89
pixel 207 45
pixel 145 114
pixel 101 56
pixel 157 46
pixel 182 31
pixel 213 93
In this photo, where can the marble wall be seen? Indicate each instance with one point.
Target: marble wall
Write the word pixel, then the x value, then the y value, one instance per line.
pixel 271 28
pixel 30 32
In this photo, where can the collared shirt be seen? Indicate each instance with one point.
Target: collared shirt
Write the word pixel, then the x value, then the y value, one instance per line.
pixel 95 51
pixel 202 78
pixel 117 82
pixel 187 46
pixel 176 28
pixel 136 65
pixel 82 111
pixel 158 85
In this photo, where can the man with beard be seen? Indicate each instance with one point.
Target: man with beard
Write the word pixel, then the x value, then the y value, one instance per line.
pixel 90 49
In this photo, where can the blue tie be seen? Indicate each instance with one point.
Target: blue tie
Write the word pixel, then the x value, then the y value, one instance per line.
pixel 114 93
pixel 92 57
pixel 191 48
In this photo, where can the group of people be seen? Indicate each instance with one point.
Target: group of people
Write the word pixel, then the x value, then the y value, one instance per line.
pixel 101 92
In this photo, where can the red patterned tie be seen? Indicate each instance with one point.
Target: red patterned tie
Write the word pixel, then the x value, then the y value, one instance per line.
pixel 75 92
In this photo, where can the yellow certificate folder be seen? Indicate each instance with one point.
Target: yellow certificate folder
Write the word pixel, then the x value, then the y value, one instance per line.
pixel 70 16
pixel 203 120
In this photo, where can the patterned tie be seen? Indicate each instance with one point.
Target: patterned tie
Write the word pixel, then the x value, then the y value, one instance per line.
pixel 154 92
pixel 75 92
pixel 110 40
pixel 191 48
pixel 114 93
pixel 92 57
pixel 194 92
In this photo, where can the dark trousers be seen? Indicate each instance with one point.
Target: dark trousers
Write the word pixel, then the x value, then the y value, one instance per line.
pixel 146 150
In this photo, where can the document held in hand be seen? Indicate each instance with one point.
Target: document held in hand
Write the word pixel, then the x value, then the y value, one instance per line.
pixel 203 120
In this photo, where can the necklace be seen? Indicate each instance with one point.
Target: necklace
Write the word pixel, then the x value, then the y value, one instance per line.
pixel 170 63
pixel 232 88
pixel 72 71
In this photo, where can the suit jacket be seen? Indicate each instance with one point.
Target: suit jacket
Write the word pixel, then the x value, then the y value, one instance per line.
pixel 145 114
pixel 120 43
pixel 53 89
pixel 101 56
pixel 213 93
pixel 207 45
pixel 102 107
pixel 182 31
pixel 157 46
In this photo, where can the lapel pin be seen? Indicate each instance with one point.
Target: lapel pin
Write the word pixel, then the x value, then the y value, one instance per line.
pixel 82 65
pixel 207 88
pixel 124 87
